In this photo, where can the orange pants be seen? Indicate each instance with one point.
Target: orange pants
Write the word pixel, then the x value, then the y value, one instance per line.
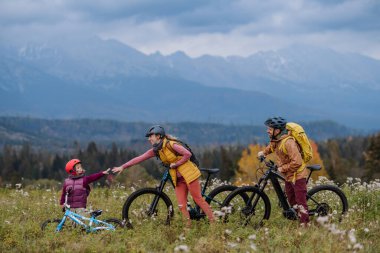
pixel 194 187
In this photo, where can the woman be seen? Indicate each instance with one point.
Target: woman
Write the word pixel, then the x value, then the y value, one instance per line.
pixel 184 173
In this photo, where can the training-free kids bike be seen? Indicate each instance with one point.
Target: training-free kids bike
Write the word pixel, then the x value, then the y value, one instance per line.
pixel 89 225
pixel 251 205
pixel 152 204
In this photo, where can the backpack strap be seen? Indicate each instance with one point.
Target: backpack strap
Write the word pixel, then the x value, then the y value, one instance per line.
pixel 282 144
pixel 171 148
pixel 283 149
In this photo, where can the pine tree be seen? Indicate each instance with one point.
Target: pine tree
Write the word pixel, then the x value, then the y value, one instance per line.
pixel 372 158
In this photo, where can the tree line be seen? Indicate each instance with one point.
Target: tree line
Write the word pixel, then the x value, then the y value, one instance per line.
pixel 357 157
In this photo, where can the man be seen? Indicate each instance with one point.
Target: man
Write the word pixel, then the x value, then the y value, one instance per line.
pixel 289 163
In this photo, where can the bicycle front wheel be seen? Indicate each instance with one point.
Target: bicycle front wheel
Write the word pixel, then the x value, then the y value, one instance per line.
pixel 50 225
pixel 325 200
pixel 245 212
pixel 145 206
pixel 217 196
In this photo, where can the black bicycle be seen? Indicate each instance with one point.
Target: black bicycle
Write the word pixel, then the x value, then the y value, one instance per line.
pixel 322 200
pixel 152 204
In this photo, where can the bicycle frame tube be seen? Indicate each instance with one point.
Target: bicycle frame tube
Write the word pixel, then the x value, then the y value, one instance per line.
pixel 104 225
pixel 273 176
pixel 205 186
pixel 160 188
pixel 78 219
pixel 72 216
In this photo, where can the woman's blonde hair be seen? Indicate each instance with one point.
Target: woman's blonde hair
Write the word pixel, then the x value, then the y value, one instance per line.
pixel 171 137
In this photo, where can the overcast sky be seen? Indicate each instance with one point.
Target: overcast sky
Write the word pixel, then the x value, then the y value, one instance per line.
pixel 197 27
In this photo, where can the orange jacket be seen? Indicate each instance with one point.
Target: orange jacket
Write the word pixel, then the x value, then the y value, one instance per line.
pixel 290 164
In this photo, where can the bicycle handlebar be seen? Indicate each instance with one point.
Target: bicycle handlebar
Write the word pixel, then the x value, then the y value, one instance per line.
pixel 270 164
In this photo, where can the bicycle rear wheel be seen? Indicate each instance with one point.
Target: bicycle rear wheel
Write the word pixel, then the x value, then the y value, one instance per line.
pixel 138 209
pixel 325 200
pixel 237 210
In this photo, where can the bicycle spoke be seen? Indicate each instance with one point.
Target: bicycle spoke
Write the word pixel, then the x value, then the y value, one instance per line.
pixel 241 213
pixel 327 200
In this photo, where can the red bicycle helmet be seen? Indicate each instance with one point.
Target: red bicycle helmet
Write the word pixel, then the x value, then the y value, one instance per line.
pixel 70 166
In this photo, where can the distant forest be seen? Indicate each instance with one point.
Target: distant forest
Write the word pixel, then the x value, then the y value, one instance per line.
pixel 357 157
pixel 60 134
pixel 35 149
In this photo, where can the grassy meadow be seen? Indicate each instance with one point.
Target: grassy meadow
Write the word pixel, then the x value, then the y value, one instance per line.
pixel 23 209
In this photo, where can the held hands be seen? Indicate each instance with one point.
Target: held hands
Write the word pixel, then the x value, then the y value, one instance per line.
pixel 117 169
pixel 107 171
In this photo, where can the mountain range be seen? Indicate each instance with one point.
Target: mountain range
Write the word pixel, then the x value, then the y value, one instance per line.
pixel 62 134
pixel 93 78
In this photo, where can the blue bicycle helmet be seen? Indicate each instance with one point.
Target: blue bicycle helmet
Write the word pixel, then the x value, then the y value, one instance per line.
pixel 276 123
pixel 156 129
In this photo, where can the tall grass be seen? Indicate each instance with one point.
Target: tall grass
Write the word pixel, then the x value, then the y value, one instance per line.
pixel 23 210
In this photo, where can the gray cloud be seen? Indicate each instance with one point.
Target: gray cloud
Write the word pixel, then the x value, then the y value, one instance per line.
pixel 201 27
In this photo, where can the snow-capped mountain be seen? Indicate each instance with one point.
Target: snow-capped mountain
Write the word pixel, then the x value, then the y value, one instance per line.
pixel 90 77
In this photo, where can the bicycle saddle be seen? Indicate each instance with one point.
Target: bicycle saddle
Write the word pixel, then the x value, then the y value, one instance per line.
pixel 314 167
pixel 210 170
pixel 96 213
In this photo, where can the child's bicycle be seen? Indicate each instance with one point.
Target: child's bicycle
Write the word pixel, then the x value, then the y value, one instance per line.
pixel 322 200
pixel 153 204
pixel 89 225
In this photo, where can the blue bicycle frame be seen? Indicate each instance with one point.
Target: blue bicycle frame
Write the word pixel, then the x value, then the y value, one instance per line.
pixel 93 223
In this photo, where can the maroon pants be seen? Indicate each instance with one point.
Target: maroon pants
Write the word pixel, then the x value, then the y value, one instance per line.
pixel 296 193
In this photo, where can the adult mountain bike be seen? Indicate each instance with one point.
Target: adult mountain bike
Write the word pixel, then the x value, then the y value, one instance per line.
pixel 322 200
pixel 89 225
pixel 154 205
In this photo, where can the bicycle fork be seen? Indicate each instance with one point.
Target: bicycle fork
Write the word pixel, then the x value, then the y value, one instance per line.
pixel 153 206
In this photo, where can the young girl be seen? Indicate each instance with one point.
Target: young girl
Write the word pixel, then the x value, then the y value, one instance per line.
pixel 184 173
pixel 77 185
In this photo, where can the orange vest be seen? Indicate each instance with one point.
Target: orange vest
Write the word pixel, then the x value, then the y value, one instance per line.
pixel 188 170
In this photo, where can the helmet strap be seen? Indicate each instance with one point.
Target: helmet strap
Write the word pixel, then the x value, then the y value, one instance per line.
pixel 281 133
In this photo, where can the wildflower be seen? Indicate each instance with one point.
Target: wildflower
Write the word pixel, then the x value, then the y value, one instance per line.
pixel 232 244
pixel 181 248
pixel 181 237
pixel 18 186
pixel 351 236
pixel 366 230
pixel 322 219
pixel 227 231
pixel 219 213
pixel 252 237
pixel 226 209
pixel 358 246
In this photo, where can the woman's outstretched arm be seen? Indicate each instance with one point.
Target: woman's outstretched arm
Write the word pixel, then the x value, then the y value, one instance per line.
pixel 148 154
